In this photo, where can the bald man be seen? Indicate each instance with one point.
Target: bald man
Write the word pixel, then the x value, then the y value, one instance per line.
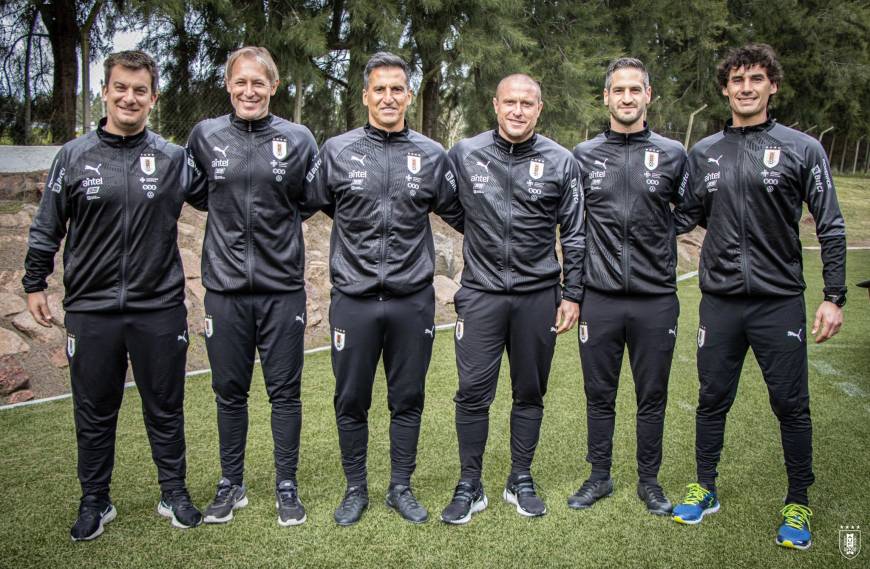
pixel 515 187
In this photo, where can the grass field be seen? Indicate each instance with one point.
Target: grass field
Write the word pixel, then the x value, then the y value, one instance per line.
pixel 37 466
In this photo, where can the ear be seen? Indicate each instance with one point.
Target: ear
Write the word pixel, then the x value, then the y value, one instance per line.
pixel 274 88
pixel 725 91
pixel 773 88
pixel 606 97
pixel 495 104
pixel 365 98
pixel 649 95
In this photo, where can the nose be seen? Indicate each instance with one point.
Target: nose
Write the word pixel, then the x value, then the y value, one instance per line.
pixel 249 89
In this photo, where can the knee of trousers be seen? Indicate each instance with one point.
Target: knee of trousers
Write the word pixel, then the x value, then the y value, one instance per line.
pixel 795 409
pixel 528 398
pixel 472 407
pixel 527 410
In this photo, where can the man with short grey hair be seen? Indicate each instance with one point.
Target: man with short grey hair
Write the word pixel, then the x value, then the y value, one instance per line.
pixel 379 183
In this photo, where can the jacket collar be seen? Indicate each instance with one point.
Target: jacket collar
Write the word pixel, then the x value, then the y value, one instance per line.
pixel 118 140
pixel 518 149
pixel 628 137
pixel 738 130
pixel 383 135
pixel 251 126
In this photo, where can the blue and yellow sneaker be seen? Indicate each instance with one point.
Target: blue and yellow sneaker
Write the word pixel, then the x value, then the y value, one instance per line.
pixel 698 503
pixel 794 532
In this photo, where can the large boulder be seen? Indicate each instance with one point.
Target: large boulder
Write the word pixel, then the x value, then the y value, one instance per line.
pixel 11 304
pixel 11 343
pixel 20 397
pixel 25 323
pixel 445 288
pixel 12 375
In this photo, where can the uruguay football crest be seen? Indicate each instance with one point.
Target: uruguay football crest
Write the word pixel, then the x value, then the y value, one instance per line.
pixel 279 148
pixel 771 157
pixel 651 159
pixel 702 335
pixel 414 163
pixel 148 164
pixel 536 169
pixel 584 332
pixel 209 327
pixel 850 541
pixel 460 328
pixel 338 337
pixel 70 345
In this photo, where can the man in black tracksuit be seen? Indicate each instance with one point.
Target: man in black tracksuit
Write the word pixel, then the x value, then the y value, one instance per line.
pixel 630 179
pixel 116 195
pixel 253 164
pixel 515 187
pixel 747 186
pixel 379 183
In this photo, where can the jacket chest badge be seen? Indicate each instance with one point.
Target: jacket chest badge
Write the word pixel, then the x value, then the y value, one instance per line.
pixel 279 148
pixel 771 157
pixel 536 169
pixel 414 163
pixel 651 159
pixel 148 163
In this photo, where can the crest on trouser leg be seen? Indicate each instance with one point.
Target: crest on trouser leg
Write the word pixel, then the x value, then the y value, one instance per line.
pixel 338 338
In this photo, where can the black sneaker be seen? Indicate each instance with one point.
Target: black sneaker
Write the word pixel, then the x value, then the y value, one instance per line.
pixel 354 503
pixel 228 497
pixel 467 501
pixel 654 497
pixel 291 512
pixel 590 492
pixel 176 505
pixel 401 499
pixel 520 492
pixel 94 513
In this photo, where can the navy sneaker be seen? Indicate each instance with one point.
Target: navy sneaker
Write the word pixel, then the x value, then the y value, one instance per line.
pixel 94 513
pixel 468 500
pixel 228 497
pixel 698 503
pixel 176 505
pixel 794 532
pixel 520 491
pixel 291 512
pixel 352 506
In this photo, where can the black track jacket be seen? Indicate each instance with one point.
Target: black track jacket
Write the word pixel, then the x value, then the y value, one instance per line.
pixel 121 197
pixel 514 196
pixel 379 187
pixel 254 173
pixel 629 182
pixel 747 186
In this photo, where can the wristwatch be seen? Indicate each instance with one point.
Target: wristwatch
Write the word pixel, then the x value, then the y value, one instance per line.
pixel 838 299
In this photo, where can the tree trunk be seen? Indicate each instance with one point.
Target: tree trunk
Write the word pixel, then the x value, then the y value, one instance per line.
pixel 431 100
pixel 297 106
pixel 86 65
pixel 59 18
pixel 28 97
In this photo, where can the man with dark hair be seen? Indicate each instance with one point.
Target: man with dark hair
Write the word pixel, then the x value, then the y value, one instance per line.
pixel 253 164
pixel 746 186
pixel 630 179
pixel 116 194
pixel 516 187
pixel 379 183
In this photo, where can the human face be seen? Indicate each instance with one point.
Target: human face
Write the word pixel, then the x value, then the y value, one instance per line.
pixel 129 99
pixel 748 91
pixel 387 98
pixel 518 105
pixel 250 89
pixel 627 100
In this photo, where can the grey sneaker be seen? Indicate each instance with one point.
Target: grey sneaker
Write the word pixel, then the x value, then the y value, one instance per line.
pixel 520 492
pixel 402 499
pixel 291 512
pixel 354 503
pixel 590 492
pixel 94 513
pixel 228 497
pixel 468 500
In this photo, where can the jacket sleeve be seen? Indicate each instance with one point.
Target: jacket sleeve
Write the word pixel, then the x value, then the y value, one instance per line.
pixel 308 149
pixel 318 195
pixel 689 211
pixel 572 232
pixel 196 178
pixel 49 226
pixel 821 198
pixel 446 203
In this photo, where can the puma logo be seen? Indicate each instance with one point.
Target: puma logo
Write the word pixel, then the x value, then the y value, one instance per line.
pixel 222 150
pixel 360 159
pixel 183 337
pixel 484 166
pixel 94 168
pixel 715 160
pixel 672 332
pixel 430 331
pixel 300 318
pixel 797 334
pixel 600 163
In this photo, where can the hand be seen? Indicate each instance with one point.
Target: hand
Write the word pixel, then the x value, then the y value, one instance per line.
pixel 829 319
pixel 567 316
pixel 37 304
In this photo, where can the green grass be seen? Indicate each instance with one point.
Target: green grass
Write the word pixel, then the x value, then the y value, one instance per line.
pixel 37 466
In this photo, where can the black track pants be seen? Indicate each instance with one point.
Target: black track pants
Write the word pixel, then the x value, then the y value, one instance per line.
pixel 238 325
pixel 486 325
pixel 775 329
pixel 97 348
pixel 647 324
pixel 363 328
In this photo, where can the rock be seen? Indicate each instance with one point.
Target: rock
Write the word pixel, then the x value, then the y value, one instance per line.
pixel 55 304
pixel 11 304
pixel 444 257
pixel 20 396
pixel 58 358
pixel 187 230
pixel 25 323
pixel 8 220
pixel 445 288
pixel 191 263
pixel 457 278
pixel 12 375
pixel 197 291
pixel 11 343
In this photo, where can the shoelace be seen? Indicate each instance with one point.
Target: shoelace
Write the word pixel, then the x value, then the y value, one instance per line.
pixel 463 492
pixel 287 495
pixel 587 487
pixel 223 494
pixel 796 516
pixel 180 498
pixel 353 493
pixel 91 508
pixel 695 494
pixel 656 492
pixel 407 499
